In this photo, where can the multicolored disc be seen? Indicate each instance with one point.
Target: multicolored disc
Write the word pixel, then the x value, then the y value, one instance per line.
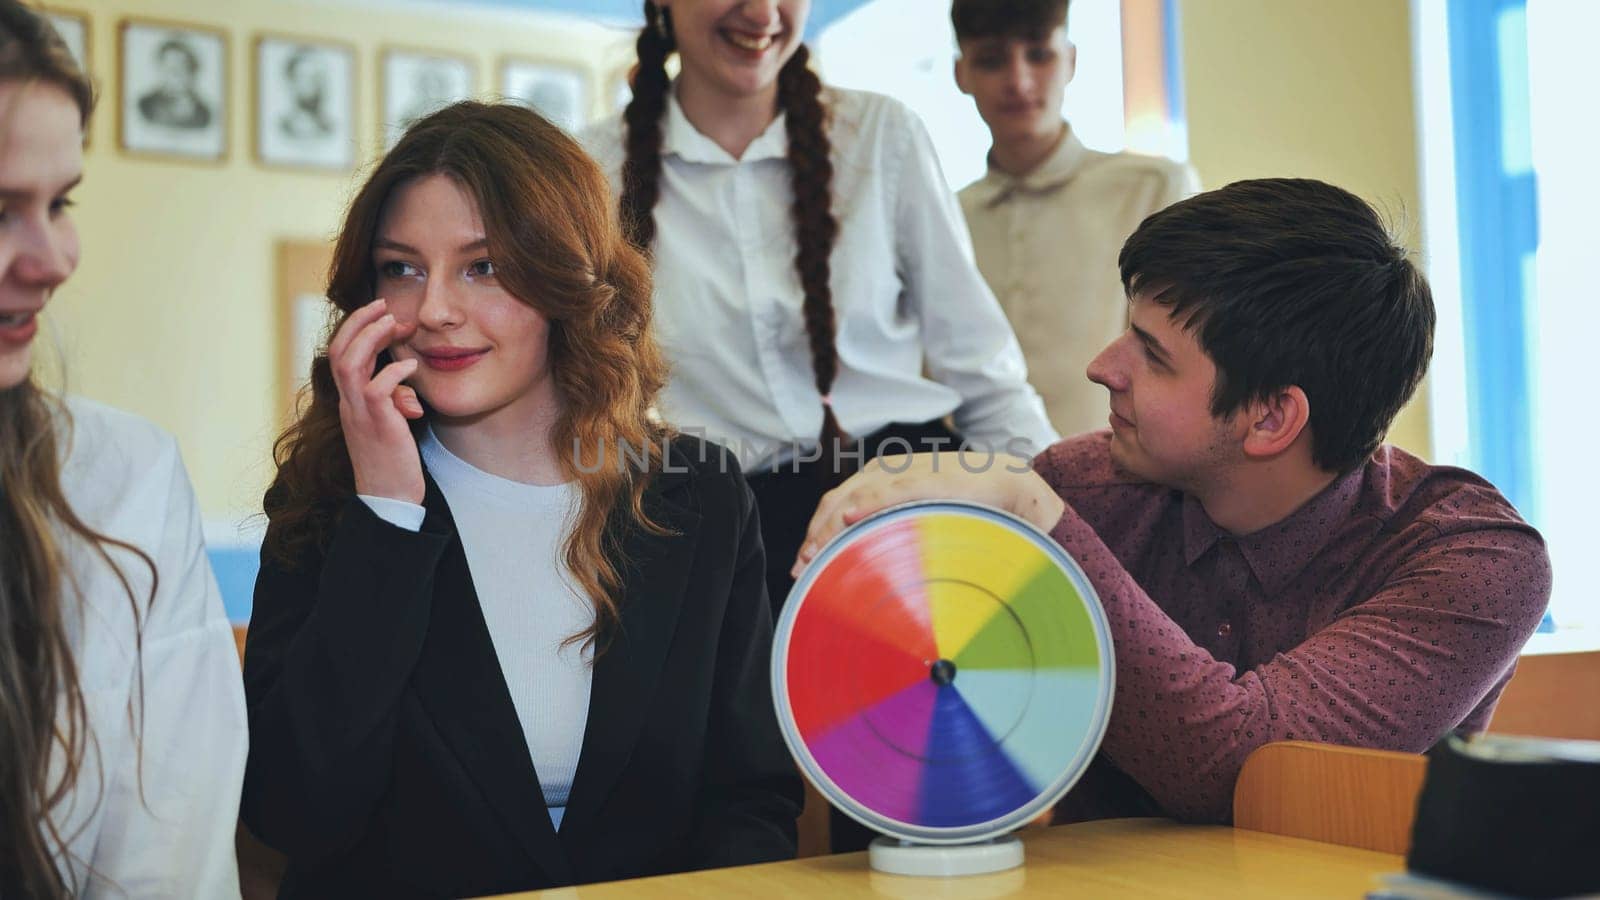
pixel 943 672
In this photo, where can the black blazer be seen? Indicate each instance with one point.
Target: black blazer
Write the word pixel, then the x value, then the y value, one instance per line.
pixel 386 758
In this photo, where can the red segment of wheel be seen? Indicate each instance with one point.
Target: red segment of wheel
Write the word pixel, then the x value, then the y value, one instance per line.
pixel 862 631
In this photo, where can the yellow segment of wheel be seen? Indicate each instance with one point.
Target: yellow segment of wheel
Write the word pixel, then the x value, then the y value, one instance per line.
pixel 973 568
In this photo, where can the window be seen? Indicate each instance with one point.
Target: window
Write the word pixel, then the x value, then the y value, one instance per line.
pixel 1510 202
pixel 914 66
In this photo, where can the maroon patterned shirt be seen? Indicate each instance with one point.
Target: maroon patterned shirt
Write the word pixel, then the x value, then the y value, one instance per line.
pixel 1385 612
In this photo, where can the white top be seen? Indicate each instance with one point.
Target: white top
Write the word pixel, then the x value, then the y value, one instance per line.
pixel 513 535
pixel 919 335
pixel 156 823
pixel 1047 243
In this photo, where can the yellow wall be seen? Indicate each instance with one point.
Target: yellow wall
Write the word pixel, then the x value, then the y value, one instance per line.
pixel 1309 88
pixel 172 312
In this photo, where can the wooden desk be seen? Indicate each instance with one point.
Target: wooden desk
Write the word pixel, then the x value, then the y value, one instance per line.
pixel 1122 858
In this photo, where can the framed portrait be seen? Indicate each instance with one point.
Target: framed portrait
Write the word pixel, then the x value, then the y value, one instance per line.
pixel 415 83
pixel 304 316
pixel 74 30
pixel 559 93
pixel 174 90
pixel 305 102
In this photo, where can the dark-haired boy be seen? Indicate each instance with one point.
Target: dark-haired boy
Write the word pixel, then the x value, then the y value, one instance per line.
pixel 1270 570
pixel 1047 219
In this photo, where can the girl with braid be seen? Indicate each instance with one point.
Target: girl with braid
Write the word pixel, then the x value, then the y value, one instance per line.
pixel 816 293
pixel 815 285
pixel 122 720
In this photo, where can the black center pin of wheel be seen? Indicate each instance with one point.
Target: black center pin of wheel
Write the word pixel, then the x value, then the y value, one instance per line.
pixel 943 672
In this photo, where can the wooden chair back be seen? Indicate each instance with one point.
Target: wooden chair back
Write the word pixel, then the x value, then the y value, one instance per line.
pixel 1555 695
pixel 261 868
pixel 1338 795
pixel 813 825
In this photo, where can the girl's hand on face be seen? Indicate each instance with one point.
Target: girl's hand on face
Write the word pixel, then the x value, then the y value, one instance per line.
pixel 886 482
pixel 373 409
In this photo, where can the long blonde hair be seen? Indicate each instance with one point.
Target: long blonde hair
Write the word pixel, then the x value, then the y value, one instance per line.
pixel 41 702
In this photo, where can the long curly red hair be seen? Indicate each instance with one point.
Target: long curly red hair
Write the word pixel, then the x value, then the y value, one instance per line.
pixel 558 247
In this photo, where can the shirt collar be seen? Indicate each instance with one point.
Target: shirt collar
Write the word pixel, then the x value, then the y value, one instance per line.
pixel 680 138
pixel 1057 169
pixel 1277 553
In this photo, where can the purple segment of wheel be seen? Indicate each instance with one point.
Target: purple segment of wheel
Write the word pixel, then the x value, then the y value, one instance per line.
pixel 875 756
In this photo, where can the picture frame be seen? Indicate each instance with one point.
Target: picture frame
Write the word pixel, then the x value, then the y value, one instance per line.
pixel 556 91
pixel 304 317
pixel 73 26
pixel 304 113
pixel 173 90
pixel 75 30
pixel 414 83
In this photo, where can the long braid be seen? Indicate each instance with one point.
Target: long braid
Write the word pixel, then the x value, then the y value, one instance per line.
pixel 641 170
pixel 811 178
pixel 815 228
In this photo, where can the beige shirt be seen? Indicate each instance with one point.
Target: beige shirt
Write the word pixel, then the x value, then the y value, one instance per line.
pixel 1047 243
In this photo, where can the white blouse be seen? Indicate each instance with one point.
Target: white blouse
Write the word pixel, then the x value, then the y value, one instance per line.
pixel 919 334
pixel 155 805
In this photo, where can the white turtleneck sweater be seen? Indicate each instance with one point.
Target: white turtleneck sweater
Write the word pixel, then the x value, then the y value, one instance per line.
pixel 513 534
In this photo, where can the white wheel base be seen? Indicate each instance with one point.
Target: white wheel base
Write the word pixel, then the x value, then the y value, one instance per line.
pixel 897 857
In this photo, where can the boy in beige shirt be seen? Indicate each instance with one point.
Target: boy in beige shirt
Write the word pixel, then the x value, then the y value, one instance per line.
pixel 1048 219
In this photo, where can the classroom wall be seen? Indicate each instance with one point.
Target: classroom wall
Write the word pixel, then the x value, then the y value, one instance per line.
pixel 172 312
pixel 1314 89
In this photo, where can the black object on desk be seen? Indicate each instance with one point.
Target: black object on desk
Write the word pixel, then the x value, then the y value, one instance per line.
pixel 1519 816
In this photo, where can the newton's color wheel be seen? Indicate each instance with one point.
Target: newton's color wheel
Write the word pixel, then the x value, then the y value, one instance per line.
pixel 942 673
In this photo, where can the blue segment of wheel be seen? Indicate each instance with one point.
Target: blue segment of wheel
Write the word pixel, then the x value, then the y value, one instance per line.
pixel 967 778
